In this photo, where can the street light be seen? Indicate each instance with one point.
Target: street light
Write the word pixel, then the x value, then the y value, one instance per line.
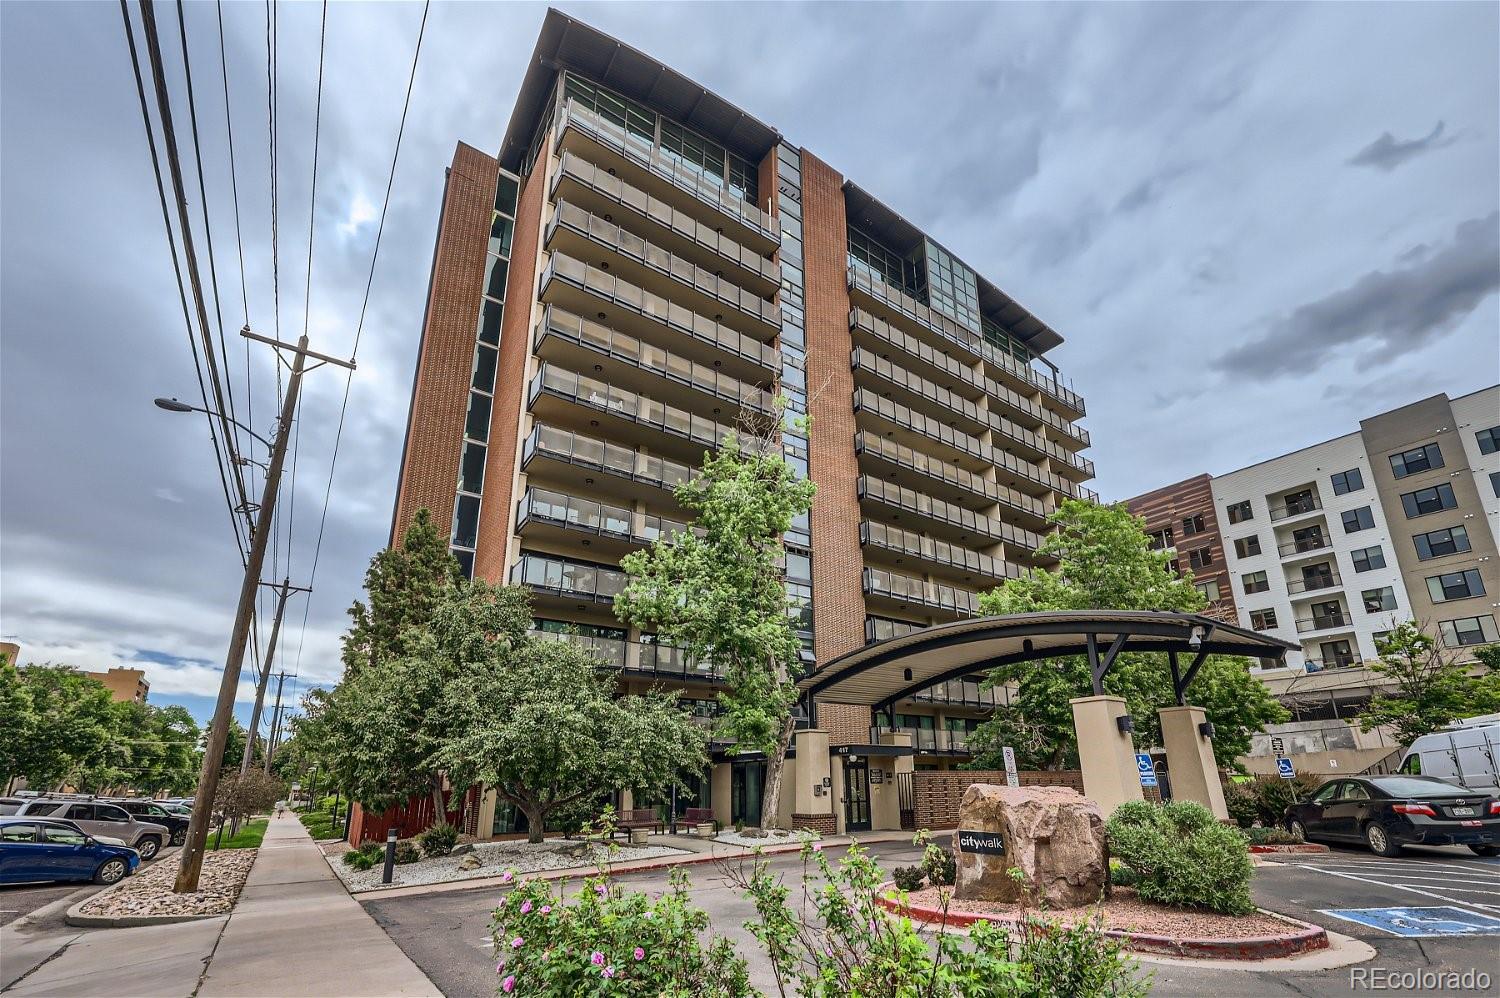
pixel 173 405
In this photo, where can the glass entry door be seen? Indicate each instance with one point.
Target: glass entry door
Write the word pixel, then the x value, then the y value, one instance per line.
pixel 746 781
pixel 856 795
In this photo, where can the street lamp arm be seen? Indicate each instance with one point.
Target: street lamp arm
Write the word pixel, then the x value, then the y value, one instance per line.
pixel 173 405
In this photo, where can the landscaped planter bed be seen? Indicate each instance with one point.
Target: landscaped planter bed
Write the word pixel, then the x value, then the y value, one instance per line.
pixel 494 859
pixel 148 896
pixel 1140 926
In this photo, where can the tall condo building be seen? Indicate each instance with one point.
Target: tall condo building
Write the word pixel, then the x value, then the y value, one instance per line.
pixel 640 266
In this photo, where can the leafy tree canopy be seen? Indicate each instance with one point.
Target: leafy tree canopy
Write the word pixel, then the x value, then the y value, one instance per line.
pixel 1431 687
pixel 403 585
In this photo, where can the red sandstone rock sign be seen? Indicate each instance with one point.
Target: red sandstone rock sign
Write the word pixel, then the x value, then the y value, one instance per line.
pixel 1054 835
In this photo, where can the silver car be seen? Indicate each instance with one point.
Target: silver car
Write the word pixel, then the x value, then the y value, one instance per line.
pixel 103 821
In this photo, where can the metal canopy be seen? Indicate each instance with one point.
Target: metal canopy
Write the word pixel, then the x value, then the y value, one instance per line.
pixel 565 43
pixel 881 674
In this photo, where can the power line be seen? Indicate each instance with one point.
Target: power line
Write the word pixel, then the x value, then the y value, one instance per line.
pixel 234 187
pixel 359 328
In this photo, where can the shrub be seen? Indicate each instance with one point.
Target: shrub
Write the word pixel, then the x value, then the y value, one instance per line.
pixel 1265 799
pixel 438 840
pixel 1240 800
pixel 938 864
pixel 365 856
pixel 607 939
pixel 407 852
pixel 1182 855
pixel 1271 837
pixel 1121 875
pixel 908 878
pixel 1074 960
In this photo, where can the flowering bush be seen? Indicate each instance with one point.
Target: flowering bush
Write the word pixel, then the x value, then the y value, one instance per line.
pixel 608 941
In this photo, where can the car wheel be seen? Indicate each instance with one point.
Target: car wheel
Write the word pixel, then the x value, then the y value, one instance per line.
pixel 179 836
pixel 148 847
pixel 1298 829
pixel 1486 850
pixel 111 871
pixel 1380 841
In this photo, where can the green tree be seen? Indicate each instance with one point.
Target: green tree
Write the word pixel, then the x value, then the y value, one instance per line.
pixel 539 720
pixel 1431 687
pixel 718 592
pixel 17 732
pixel 69 726
pixel 403 585
pixel 1106 562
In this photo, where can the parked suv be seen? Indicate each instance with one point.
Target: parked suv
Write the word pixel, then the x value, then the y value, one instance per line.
pixel 152 812
pixel 102 820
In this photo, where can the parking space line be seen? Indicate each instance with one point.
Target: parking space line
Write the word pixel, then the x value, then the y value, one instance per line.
pixel 1400 887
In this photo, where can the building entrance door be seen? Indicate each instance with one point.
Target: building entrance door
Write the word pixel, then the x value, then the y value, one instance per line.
pixel 746 781
pixel 856 795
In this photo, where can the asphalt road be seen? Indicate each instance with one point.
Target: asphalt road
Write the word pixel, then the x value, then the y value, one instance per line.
pixel 447 934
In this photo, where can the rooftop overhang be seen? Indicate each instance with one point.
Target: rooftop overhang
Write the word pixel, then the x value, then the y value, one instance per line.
pixel 881 674
pixel 873 217
pixel 565 43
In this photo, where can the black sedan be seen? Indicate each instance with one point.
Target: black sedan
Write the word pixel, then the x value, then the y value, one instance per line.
pixel 150 811
pixel 1387 812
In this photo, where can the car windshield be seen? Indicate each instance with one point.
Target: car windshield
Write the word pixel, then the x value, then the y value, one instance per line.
pixel 1406 786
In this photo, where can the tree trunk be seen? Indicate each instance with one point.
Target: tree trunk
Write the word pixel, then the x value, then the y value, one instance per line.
pixel 770 797
pixel 440 813
pixel 534 822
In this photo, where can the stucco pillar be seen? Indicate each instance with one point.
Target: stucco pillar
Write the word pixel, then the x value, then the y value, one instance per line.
pixel 1105 753
pixel 719 790
pixel 812 802
pixel 485 824
pixel 1190 759
pixel 885 797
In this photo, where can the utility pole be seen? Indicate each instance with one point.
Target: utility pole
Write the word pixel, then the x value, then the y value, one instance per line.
pixel 213 754
pixel 282 592
pixel 275 735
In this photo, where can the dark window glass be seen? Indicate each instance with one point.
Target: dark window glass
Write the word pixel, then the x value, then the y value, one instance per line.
pixel 105 812
pixel 1369 558
pixel 466 521
pixel 1255 582
pixel 1489 440
pixel 1263 620
pixel 484 367
pixel 477 422
pixel 1358 519
pixel 1246 547
pixel 1437 543
pixel 1348 481
pixel 798 567
pixel 1468 631
pixel 502 230
pixel 81 812
pixel 1418 459
pixel 505 195
pixel 490 314
pixel 495 271
pixel 471 468
pixel 465 562
pixel 1424 501
pixel 1455 585
pixel 17 833
pixel 1201 558
pixel 1239 511
pixel 1495 483
pixel 1192 525
pixel 1379 600
pixel 1161 538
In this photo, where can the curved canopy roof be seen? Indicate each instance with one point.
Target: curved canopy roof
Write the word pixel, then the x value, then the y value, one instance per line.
pixel 880 674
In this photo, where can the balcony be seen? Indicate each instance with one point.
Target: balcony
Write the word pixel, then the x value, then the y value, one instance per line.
pixel 945 517
pixel 964 692
pixel 576 233
pixel 903 306
pixel 1313 584
pixel 555 391
pixel 1334 662
pixel 609 531
pixel 585 290
pixel 573 459
pixel 547 575
pixel 1307 545
pixel 948 481
pixel 935 554
pixel 869 367
pixel 642 657
pixel 578 343
pixel 875 332
pixel 908 590
pixel 596 190
pixel 1298 507
pixel 582 131
pixel 927 741
pixel 1324 622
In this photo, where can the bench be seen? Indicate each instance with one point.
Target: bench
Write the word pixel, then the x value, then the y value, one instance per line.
pixel 699 816
pixel 645 817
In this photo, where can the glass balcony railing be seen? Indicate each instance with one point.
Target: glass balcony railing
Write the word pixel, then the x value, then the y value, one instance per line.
pixel 1296 507
pixel 562 577
pixel 921 504
pixel 882 628
pixel 926 739
pixel 644 657
pixel 930 467
pixel 686 273
pixel 623 347
pixel 589 516
pixel 909 589
pixel 1313 583
pixel 952 366
pixel 634 200
pixel 1332 662
pixel 1323 621
pixel 1305 545
pixel 929 549
pixel 600 455
pixel 951 402
pixel 572 115
pixel 968 692
pixel 595 394
pixel 972 342
pixel 679 318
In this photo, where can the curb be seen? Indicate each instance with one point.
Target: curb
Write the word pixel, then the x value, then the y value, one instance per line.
pixel 77 919
pixel 1306 939
pixel 1301 847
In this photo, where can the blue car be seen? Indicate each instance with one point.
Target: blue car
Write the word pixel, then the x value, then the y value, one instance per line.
pixel 33 849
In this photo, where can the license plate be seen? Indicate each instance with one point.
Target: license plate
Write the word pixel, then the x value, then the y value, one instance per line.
pixel 1472 824
pixel 1462 812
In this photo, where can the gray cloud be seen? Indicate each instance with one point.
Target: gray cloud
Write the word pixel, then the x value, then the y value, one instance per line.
pixel 1386 313
pixel 1388 152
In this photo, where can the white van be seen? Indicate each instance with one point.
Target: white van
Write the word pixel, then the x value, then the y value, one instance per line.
pixel 1466 754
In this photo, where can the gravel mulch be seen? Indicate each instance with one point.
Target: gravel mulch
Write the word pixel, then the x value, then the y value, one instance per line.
pixel 149 892
pixel 494 859
pixel 770 837
pixel 1126 912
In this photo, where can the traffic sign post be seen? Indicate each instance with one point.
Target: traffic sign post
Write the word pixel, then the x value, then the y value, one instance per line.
pixel 1012 778
pixel 1145 769
pixel 1284 768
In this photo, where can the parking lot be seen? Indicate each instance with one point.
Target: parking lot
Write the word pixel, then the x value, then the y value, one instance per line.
pixel 19 900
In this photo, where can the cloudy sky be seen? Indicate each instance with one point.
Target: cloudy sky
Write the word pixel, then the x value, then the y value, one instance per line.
pixel 1253 225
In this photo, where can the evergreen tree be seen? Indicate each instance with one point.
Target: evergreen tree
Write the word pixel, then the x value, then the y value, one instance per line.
pixel 403 585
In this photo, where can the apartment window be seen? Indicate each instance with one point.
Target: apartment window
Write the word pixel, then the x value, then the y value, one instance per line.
pixel 1210 589
pixel 1246 547
pixel 1438 543
pixel 1192 525
pixel 1174 566
pixel 1455 585
pixel 1424 501
pixel 1348 481
pixel 1161 538
pixel 1255 582
pixel 1358 519
pixel 1495 483
pixel 1379 600
pixel 1336 654
pixel 1239 512
pixel 1489 440
pixel 798 566
pixel 1368 559
pixel 1201 558
pixel 694 151
pixel 1263 620
pixel 1421 458
pixel 1468 631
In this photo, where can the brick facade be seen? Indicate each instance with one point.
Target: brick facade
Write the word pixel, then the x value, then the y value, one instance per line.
pixel 445 359
pixel 1168 508
pixel 821 823
pixel 937 794
pixel 846 724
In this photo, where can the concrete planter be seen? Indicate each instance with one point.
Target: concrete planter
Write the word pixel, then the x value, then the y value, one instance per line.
pixel 704 829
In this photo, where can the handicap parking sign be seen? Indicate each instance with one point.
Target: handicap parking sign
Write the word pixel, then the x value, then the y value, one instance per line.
pixel 1284 768
pixel 1146 770
pixel 1442 920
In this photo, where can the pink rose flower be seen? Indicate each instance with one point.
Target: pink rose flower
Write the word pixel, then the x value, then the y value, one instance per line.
pixel 600 889
pixel 546 909
pixel 640 954
pixel 509 984
pixel 500 967
pixel 507 876
pixel 817 847
pixel 608 971
pixel 516 942
pixel 597 959
pixel 525 907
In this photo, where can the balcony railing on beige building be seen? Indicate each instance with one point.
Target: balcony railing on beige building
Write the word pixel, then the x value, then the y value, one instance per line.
pixel 910 589
pixel 911 501
pixel 930 549
pixel 929 467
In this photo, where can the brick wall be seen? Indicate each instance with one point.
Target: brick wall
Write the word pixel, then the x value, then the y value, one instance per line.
pixel 822 823
pixel 445 359
pixel 838 600
pixel 937 794
pixel 846 724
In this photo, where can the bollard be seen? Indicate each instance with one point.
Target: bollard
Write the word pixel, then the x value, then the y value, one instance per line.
pixel 390 856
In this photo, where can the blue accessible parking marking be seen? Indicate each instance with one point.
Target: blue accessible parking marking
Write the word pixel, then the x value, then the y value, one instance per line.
pixel 1445 920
